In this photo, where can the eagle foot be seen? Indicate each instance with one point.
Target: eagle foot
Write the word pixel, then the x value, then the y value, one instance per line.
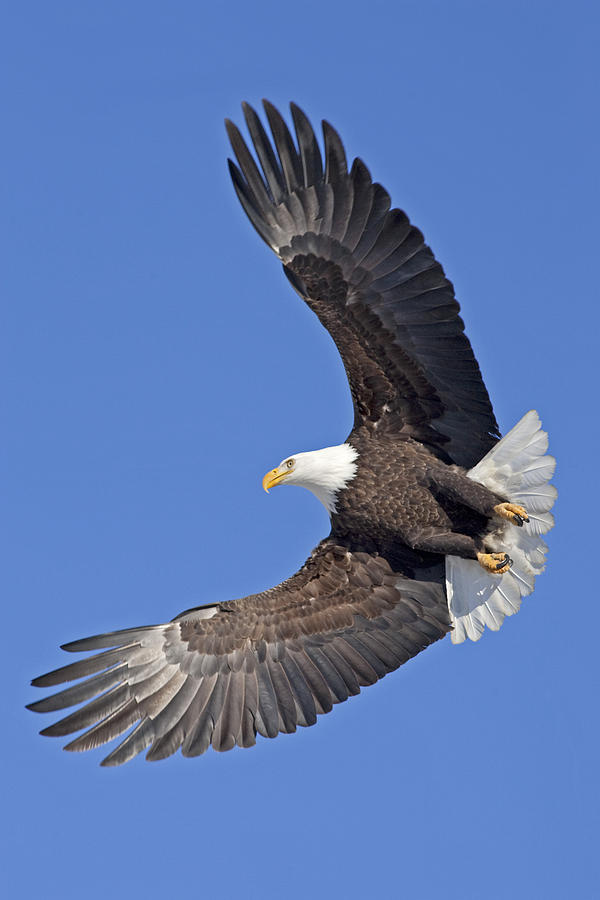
pixel 496 563
pixel 515 514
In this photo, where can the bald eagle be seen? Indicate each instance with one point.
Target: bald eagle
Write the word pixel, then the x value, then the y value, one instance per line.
pixel 436 523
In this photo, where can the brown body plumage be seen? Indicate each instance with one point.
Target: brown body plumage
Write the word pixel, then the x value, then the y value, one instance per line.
pixel 410 506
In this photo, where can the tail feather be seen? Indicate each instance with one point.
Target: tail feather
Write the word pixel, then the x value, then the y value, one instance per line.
pixel 519 469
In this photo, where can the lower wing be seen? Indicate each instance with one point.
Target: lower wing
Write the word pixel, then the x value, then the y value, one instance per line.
pixel 219 674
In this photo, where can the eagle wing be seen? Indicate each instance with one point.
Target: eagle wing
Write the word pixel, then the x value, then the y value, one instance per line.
pixel 372 281
pixel 219 674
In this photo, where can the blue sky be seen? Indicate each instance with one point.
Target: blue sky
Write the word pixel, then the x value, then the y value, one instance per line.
pixel 156 364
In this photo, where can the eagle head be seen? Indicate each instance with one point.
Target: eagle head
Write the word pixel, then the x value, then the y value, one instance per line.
pixel 324 472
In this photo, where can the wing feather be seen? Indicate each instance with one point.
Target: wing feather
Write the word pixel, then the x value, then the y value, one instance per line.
pixel 310 154
pixel 228 724
pixel 265 664
pixel 283 693
pixel 335 156
pixel 341 666
pixel 362 190
pixel 85 690
pixel 332 677
pixel 119 720
pixel 265 154
pixel 199 739
pixel 305 704
pixel 365 673
pixel 248 728
pixel 83 667
pixel 288 155
pixel 136 741
pixel 373 282
pixel 92 712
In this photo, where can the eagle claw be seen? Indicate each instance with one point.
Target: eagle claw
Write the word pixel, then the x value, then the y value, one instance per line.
pixel 495 563
pixel 515 513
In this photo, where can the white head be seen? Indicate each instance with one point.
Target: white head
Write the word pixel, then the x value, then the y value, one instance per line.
pixel 324 472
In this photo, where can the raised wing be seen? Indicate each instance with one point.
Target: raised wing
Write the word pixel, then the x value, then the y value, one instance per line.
pixel 222 673
pixel 372 281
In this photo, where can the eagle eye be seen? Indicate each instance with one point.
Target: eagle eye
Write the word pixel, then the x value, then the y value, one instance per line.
pixel 290 463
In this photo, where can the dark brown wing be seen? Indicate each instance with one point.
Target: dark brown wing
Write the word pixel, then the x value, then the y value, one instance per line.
pixel 372 281
pixel 267 663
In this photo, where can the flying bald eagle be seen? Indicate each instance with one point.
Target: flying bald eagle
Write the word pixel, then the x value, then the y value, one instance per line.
pixel 435 522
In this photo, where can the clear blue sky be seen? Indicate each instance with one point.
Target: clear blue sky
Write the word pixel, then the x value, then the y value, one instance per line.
pixel 156 364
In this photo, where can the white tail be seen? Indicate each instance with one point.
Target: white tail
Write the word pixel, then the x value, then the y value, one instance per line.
pixel 516 468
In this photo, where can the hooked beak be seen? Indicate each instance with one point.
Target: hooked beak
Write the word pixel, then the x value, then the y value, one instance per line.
pixel 273 478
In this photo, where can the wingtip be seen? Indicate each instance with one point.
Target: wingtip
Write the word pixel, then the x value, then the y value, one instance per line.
pixel 43 681
pixel 50 731
pixel 270 108
pixel 81 645
pixel 46 704
pixel 233 132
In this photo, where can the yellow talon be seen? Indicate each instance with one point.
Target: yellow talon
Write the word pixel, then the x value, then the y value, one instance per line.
pixel 515 514
pixel 495 563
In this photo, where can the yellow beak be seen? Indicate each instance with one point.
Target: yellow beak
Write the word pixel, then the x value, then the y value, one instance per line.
pixel 273 478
